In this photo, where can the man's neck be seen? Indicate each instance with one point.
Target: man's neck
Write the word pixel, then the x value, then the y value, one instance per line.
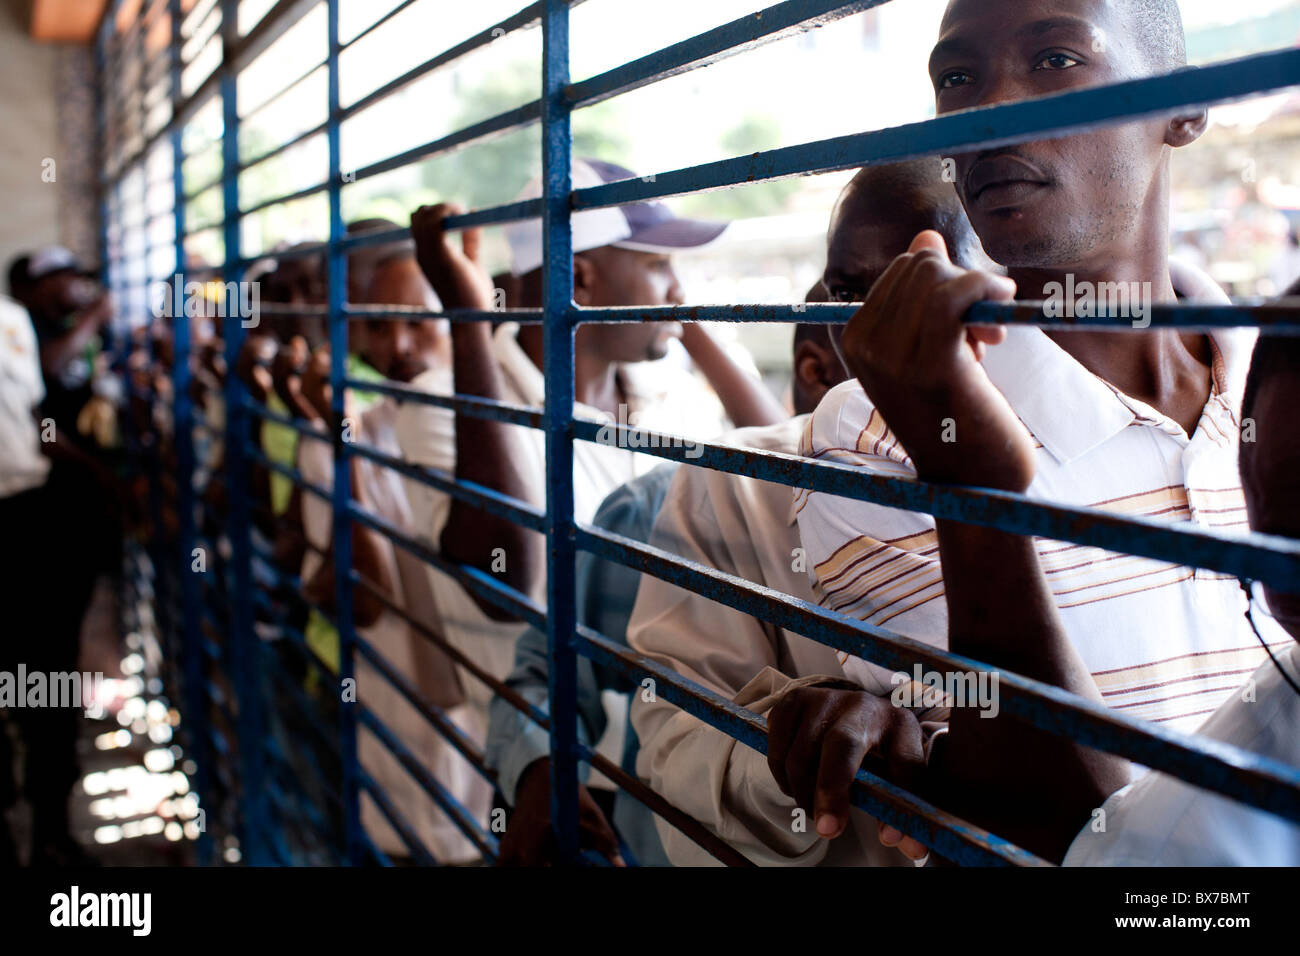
pixel 1166 370
pixel 595 379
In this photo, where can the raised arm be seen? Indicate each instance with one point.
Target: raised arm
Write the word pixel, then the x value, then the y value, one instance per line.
pixel 747 401
pixel 486 451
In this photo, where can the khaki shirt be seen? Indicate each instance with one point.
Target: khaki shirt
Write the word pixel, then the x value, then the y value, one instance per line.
pixel 744 527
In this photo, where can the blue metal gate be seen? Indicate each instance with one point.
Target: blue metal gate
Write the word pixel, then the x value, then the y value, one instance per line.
pixel 223 668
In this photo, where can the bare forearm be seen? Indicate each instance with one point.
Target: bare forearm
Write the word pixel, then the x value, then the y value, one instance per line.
pixel 57 354
pixel 747 401
pixel 1021 782
pixel 487 454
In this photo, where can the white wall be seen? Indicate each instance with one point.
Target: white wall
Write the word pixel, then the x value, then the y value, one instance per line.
pixel 29 208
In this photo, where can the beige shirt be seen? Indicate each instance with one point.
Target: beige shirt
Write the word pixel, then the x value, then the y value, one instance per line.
pixel 744 527
pixel 409 653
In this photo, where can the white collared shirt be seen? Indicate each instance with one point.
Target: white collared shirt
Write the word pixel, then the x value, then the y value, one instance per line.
pixel 22 467
pixel 1163 642
pixel 1162 821
pixel 661 396
pixel 427 435
pixel 408 652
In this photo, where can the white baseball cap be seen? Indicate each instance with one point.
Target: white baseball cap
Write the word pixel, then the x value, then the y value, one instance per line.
pixel 49 260
pixel 644 226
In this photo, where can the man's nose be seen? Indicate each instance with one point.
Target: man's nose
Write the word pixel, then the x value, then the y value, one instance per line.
pixel 1002 86
pixel 674 295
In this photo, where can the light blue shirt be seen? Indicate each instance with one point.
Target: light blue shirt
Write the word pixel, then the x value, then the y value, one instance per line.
pixel 606 592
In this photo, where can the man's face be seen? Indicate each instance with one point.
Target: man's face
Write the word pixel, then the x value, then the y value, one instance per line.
pixel 1053 202
pixel 389 345
pixel 1270 475
pixel 60 293
pixel 876 222
pixel 613 277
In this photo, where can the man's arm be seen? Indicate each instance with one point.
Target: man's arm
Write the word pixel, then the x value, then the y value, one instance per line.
pixel 921 367
pixel 369 548
pixel 746 400
pixel 520 750
pixel 703 771
pixel 485 450
pixel 56 353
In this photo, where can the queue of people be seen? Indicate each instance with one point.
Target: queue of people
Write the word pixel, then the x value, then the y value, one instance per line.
pixel 1177 428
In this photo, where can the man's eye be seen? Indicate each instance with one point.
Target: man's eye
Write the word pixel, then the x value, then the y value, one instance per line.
pixel 844 294
pixel 953 78
pixel 1056 61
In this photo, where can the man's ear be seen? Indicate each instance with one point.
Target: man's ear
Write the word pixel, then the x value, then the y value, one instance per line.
pixel 584 280
pixel 816 367
pixel 1186 129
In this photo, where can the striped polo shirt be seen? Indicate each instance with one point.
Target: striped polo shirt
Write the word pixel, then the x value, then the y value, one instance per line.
pixel 1164 642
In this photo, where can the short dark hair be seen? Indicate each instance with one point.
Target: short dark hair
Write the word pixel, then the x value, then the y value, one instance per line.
pixel 1159 32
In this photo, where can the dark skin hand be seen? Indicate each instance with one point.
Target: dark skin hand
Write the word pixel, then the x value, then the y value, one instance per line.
pixel 818 738
pixel 529 839
pixel 485 449
pixel 86 323
pixel 921 366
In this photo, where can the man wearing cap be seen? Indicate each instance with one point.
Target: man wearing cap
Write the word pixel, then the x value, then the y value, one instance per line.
pixel 68 311
pixel 621 258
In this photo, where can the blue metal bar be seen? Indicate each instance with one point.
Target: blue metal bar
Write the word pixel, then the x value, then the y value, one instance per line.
pixel 953 838
pixel 261 411
pixel 480 496
pixel 434 715
pixel 558 365
pixel 399 823
pixel 1275 316
pixel 522 20
pixel 970 130
pixel 455 811
pixel 502 690
pixel 474 580
pixel 291 473
pixel 495 126
pixel 253 809
pixel 1259 781
pixel 367 313
pixel 192 653
pixel 1261 557
pixel 461 404
pixel 739 36
pixel 342 498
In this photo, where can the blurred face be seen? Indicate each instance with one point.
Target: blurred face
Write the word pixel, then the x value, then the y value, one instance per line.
pixel 1270 476
pixel 296 282
pixel 390 346
pixel 610 277
pixel 399 349
pixel 1061 201
pixel 62 292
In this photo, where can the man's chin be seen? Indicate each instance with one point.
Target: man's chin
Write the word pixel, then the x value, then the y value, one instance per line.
pixel 407 372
